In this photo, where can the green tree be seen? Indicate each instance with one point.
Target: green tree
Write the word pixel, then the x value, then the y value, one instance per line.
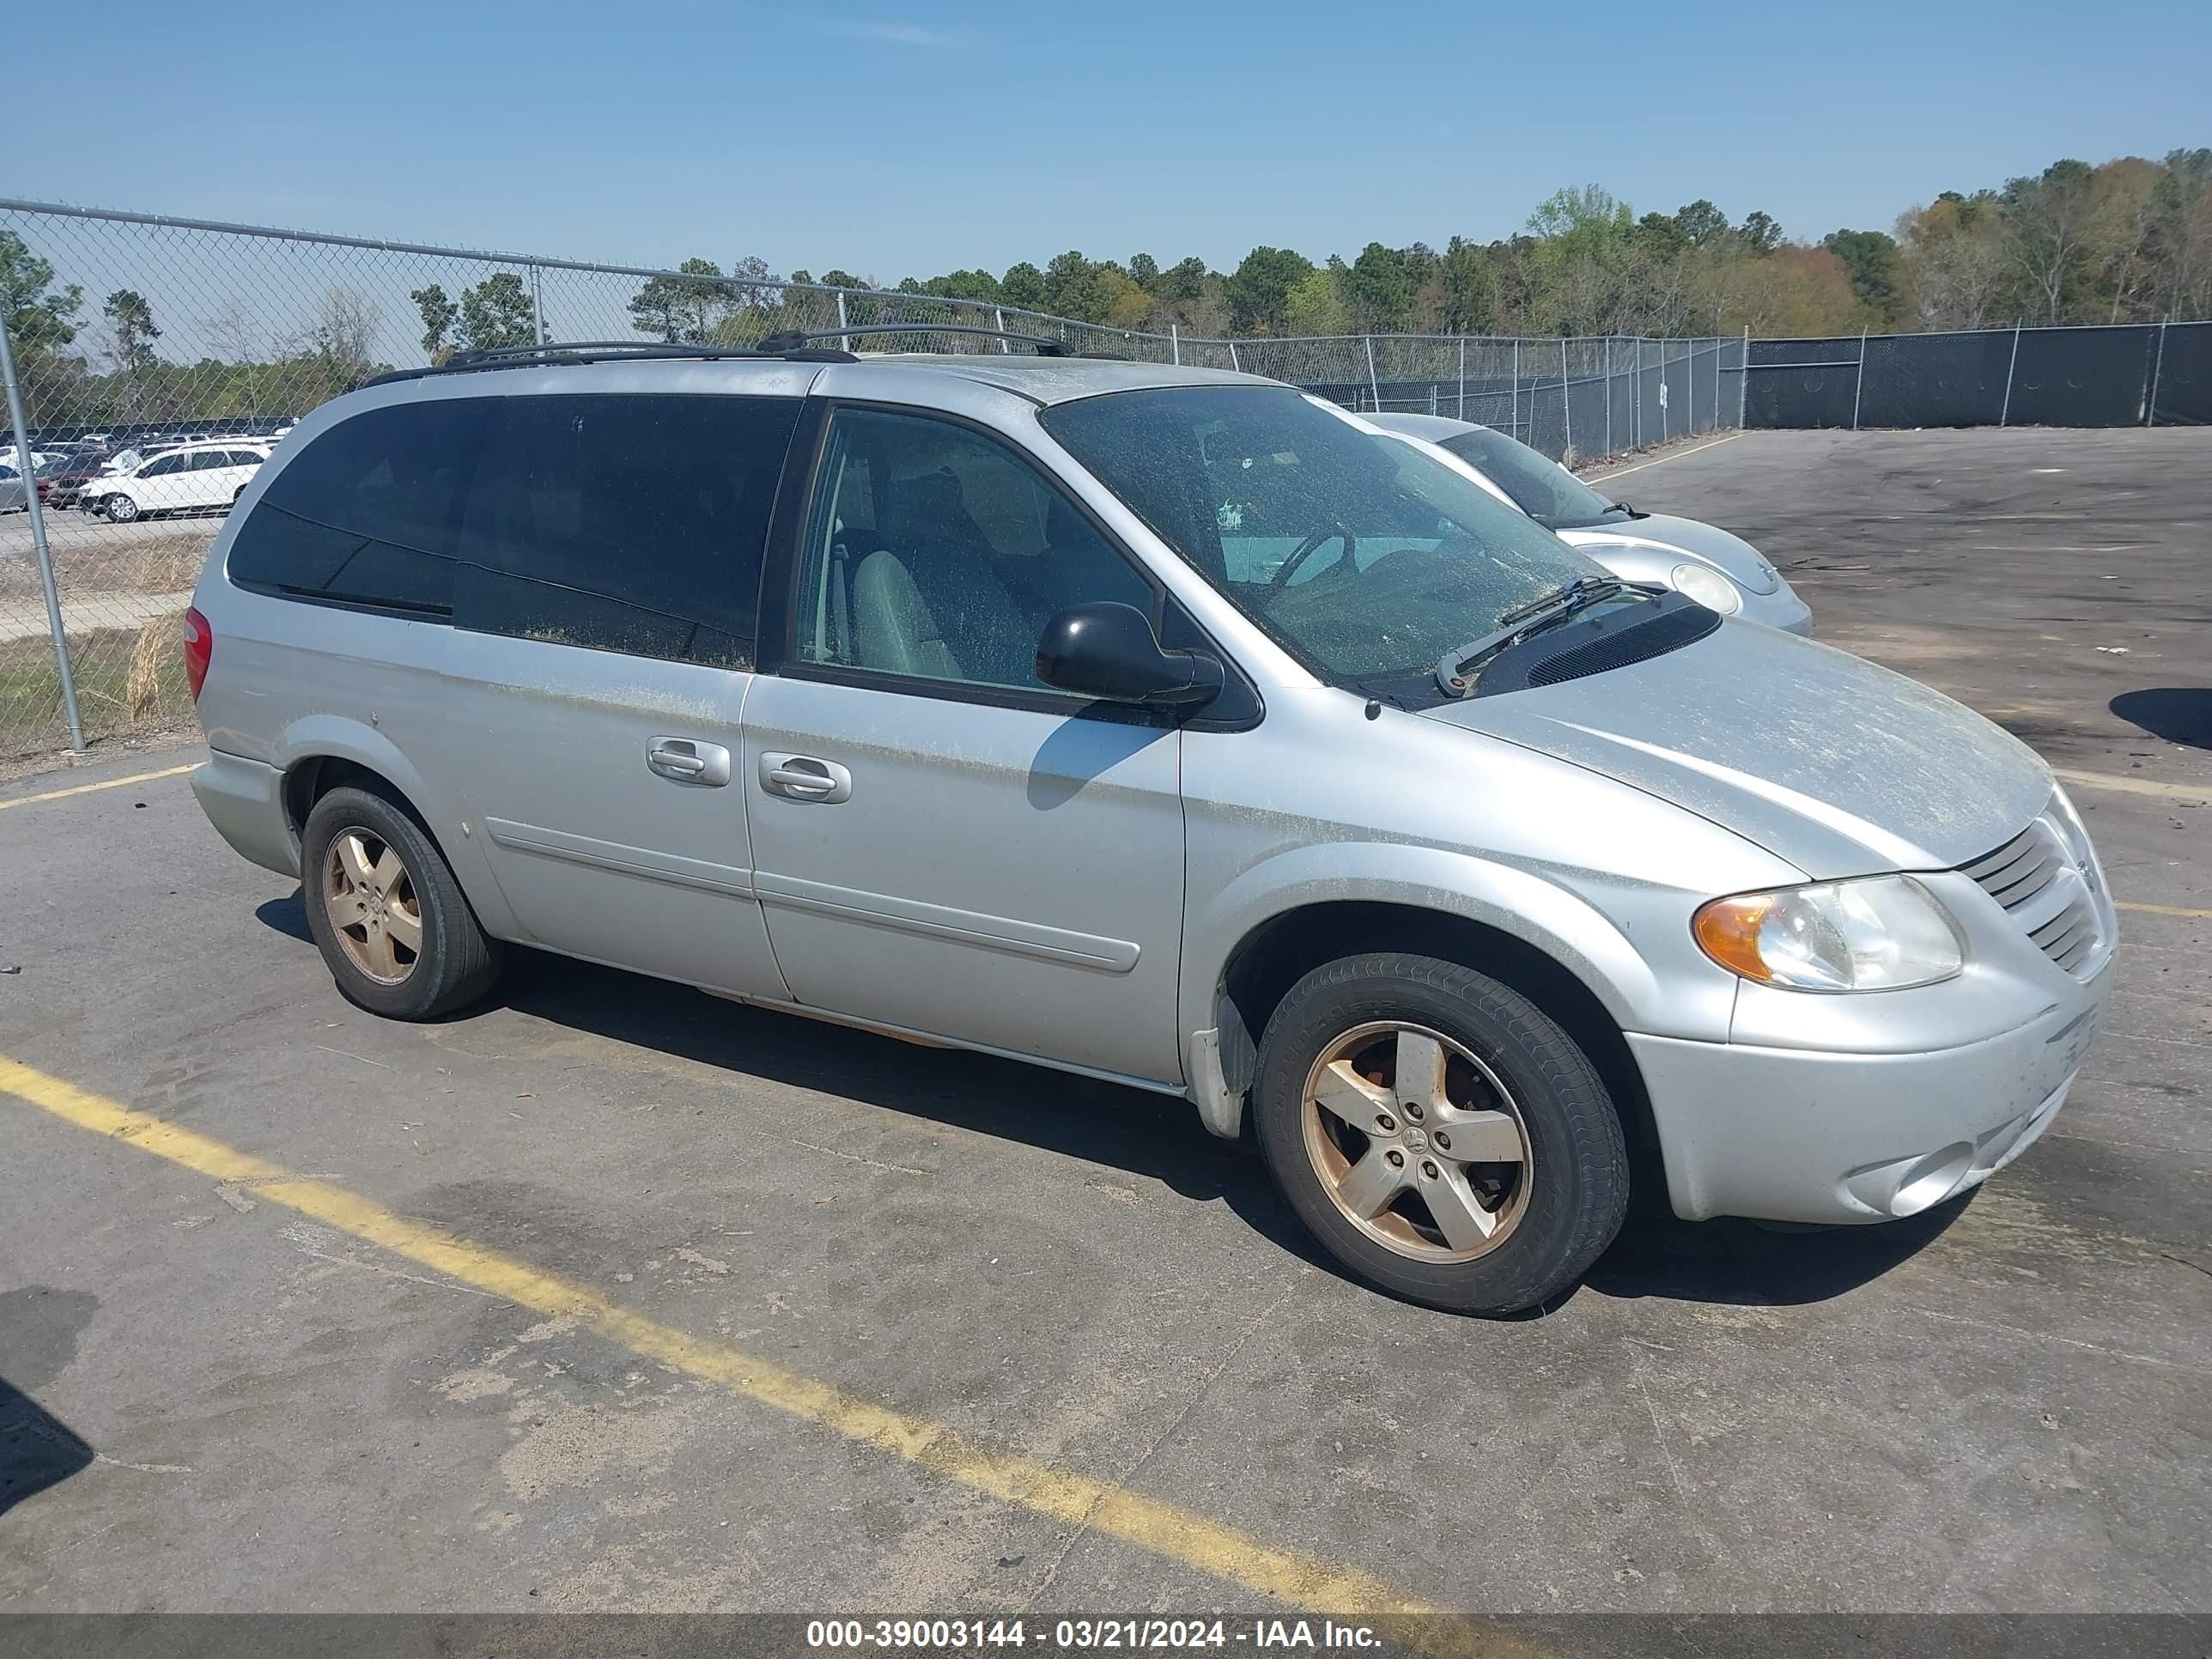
pixel 497 311
pixel 1182 281
pixel 1258 290
pixel 1467 284
pixel 978 285
pixel 1314 306
pixel 1700 223
pixel 683 309
pixel 38 315
pixel 1071 289
pixel 439 316
pixel 1876 269
pixel 131 320
pixel 1145 272
pixel 1023 285
pixel 1759 232
pixel 1379 289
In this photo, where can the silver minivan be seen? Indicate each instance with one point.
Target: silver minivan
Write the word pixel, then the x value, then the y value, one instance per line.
pixel 1159 724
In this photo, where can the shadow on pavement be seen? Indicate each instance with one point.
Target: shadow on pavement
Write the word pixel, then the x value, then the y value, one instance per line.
pixel 1743 1264
pixel 1727 1262
pixel 2179 713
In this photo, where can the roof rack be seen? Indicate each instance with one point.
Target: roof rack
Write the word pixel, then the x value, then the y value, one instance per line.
pixel 563 353
pixel 793 339
pixel 787 345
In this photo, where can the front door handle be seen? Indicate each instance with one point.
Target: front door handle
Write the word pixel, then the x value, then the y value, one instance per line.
pixel 686 760
pixel 802 777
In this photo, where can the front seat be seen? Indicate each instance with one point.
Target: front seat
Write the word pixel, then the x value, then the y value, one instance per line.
pixel 927 602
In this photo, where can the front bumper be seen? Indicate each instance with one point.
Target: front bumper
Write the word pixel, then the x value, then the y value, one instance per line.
pixel 1811 1135
pixel 1782 608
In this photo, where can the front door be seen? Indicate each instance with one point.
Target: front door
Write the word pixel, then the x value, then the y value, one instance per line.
pixel 941 843
pixel 604 605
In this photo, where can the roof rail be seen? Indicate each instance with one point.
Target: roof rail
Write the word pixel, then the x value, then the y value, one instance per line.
pixel 561 353
pixel 794 339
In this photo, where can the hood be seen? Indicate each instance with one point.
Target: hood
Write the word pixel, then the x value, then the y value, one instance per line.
pixel 1733 557
pixel 1841 767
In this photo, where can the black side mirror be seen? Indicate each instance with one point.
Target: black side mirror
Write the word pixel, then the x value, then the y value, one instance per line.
pixel 1109 650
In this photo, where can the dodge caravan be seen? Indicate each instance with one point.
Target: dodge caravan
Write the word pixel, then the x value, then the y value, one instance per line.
pixel 1159 724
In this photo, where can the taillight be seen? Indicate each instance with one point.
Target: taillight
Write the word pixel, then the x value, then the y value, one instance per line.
pixel 199 650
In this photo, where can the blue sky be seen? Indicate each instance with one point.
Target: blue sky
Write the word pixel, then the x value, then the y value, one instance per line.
pixel 900 137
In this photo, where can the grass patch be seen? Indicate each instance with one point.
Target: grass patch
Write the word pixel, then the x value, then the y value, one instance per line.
pixel 31 717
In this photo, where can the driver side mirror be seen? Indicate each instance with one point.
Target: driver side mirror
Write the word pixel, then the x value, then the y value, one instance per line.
pixel 1108 651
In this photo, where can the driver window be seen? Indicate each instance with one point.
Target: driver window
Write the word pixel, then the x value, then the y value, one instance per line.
pixel 936 552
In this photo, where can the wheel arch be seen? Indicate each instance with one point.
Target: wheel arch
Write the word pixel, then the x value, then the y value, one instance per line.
pixel 1560 954
pixel 325 752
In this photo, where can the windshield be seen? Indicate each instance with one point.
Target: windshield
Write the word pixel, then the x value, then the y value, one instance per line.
pixel 1544 489
pixel 1367 557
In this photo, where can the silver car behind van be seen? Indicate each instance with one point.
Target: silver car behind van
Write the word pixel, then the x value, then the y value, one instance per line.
pixel 1162 725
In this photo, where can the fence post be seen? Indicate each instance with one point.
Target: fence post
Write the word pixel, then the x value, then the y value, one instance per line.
pixel 536 305
pixel 1690 419
pixel 2157 364
pixel 1566 404
pixel 1373 385
pixel 1743 379
pixel 1636 399
pixel 20 423
pixel 1463 368
pixel 1174 345
pixel 2004 412
pixel 1513 420
pixel 1858 389
pixel 1233 363
pixel 1608 394
pixel 998 322
pixel 844 341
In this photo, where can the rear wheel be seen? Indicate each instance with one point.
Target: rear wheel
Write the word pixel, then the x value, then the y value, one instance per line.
pixel 1438 1133
pixel 392 924
pixel 120 508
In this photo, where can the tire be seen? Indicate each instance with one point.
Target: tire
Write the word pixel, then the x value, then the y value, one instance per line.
pixel 120 508
pixel 1507 1233
pixel 364 926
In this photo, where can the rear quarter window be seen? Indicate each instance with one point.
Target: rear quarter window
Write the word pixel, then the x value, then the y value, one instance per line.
pixel 370 512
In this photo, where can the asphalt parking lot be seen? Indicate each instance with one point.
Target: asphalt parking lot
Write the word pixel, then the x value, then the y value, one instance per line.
pixel 611 1295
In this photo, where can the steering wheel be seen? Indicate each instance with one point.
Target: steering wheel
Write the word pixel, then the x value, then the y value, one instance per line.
pixel 1306 549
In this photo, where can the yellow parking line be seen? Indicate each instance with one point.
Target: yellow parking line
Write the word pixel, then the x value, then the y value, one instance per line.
pixel 2135 786
pixel 111 783
pixel 1101 1506
pixel 2163 910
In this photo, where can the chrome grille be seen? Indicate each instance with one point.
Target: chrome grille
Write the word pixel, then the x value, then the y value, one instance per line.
pixel 2036 878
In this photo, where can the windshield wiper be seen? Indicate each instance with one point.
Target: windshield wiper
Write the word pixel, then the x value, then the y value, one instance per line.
pixel 1526 619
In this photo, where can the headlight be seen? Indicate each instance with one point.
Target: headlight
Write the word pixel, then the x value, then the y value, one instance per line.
pixel 1879 934
pixel 1708 587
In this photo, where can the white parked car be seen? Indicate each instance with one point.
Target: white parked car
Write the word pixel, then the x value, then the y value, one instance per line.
pixel 1721 571
pixel 190 478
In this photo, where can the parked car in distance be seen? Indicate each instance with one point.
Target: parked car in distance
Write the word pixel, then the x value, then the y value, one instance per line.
pixel 65 484
pixel 14 493
pixel 1720 570
pixel 189 478
pixel 1162 725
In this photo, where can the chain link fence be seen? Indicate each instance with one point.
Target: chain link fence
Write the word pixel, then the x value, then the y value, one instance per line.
pixel 2124 374
pixel 179 352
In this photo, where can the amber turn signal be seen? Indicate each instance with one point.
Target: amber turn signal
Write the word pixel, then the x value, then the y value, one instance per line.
pixel 1727 929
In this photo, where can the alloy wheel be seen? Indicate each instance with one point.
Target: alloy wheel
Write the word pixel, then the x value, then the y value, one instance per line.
pixel 370 899
pixel 1417 1142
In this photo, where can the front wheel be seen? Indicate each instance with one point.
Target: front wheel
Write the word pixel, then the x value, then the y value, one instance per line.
pixel 392 924
pixel 120 509
pixel 1440 1134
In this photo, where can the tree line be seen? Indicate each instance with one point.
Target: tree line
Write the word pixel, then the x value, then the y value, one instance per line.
pixel 2125 240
